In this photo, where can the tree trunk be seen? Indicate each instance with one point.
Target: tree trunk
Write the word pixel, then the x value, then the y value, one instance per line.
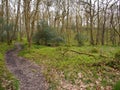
pixel 119 21
pixel 17 19
pixel 91 25
pixel 98 26
pixel 67 26
pixel 103 29
pixel 7 22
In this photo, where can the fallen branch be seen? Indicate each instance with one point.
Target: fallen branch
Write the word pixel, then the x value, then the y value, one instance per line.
pixel 88 54
pixel 103 56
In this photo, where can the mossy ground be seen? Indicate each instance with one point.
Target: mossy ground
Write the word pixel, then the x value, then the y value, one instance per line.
pixel 7 80
pixel 76 68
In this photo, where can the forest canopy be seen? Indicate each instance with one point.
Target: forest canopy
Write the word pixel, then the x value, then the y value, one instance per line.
pixel 97 20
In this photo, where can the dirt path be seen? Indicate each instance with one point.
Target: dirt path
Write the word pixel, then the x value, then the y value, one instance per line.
pixel 28 73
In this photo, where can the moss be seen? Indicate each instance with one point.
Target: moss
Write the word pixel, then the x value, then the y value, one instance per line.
pixel 71 64
pixel 7 80
pixel 94 50
pixel 117 55
pixel 117 86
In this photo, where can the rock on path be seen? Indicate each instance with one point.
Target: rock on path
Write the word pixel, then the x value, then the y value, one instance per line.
pixel 28 73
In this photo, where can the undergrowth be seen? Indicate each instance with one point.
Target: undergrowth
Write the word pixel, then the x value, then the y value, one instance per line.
pixel 60 64
pixel 7 80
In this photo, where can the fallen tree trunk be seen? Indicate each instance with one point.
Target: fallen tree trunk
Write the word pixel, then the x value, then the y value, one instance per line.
pixel 88 54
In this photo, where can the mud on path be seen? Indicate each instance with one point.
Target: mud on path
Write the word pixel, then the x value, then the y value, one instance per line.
pixel 28 73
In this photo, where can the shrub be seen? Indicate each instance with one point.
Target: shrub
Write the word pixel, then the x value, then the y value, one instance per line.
pixel 117 86
pixel 80 39
pixel 4 28
pixel 117 55
pixel 46 35
pixel 94 50
pixel 57 40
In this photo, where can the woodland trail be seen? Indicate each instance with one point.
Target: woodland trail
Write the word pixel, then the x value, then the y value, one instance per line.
pixel 28 73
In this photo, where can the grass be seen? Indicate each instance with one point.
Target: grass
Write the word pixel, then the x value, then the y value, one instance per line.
pixel 71 66
pixel 7 80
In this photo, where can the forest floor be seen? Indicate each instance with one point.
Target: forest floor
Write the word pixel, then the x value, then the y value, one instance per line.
pixel 7 79
pixel 28 73
pixel 76 68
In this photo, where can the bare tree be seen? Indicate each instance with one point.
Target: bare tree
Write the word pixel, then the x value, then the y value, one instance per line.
pixel 98 23
pixel 7 21
pixel 30 19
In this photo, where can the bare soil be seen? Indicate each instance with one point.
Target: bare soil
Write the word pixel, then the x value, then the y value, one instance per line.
pixel 28 73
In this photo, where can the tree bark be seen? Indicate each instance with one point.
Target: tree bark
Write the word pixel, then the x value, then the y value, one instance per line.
pixel 98 26
pixel 7 22
pixel 17 19
pixel 91 25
